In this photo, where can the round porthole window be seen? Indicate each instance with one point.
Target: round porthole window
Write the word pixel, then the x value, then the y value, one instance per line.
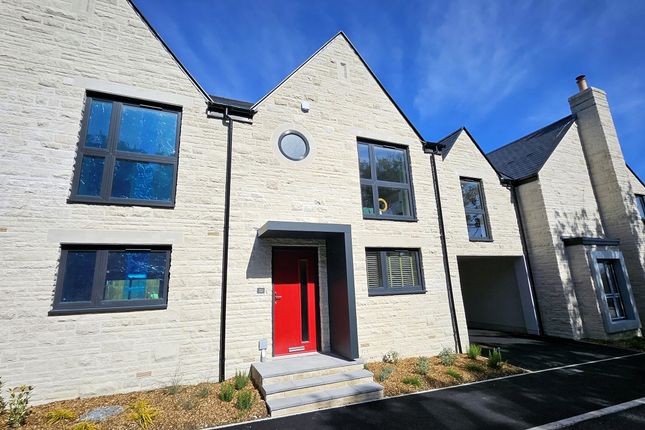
pixel 293 145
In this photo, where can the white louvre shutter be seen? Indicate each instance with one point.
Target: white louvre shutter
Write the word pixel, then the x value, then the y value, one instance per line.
pixel 402 269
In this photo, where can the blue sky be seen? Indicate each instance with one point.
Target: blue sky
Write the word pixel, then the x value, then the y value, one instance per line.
pixel 501 68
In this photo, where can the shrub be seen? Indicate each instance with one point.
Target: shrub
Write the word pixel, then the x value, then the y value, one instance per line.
pixel 60 415
pixel 385 373
pixel 175 383
pixel 495 359
pixel 203 392
pixel 454 373
pixel 143 414
pixel 226 392
pixel 474 367
pixel 474 351
pixel 2 404
pixel 245 399
pixel 85 425
pixel 423 365
pixel 391 357
pixel 412 380
pixel 18 405
pixel 240 380
pixel 447 357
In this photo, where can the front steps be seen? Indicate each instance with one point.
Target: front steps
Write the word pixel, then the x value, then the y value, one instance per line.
pixel 313 381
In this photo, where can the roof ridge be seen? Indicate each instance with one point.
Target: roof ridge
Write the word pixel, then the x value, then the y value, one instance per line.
pixel 567 118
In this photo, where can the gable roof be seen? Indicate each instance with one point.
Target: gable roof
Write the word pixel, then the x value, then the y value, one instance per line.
pixel 167 48
pixel 525 157
pixel 344 36
pixel 449 141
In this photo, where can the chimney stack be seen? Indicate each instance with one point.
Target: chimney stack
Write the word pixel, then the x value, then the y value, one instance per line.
pixel 582 83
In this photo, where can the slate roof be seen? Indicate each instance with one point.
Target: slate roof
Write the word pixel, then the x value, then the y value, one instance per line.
pixel 525 157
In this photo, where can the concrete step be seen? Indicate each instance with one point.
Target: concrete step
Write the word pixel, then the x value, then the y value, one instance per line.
pixel 325 399
pixel 301 367
pixel 318 383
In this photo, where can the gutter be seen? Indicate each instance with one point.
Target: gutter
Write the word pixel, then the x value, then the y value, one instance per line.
pixel 433 149
pixel 228 114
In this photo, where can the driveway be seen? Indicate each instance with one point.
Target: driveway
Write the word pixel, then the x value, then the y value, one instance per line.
pixel 518 402
pixel 539 352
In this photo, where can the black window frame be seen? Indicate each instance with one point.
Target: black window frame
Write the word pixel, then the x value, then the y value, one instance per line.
pixel 384 289
pixel 640 205
pixel 483 211
pixel 375 183
pixel 97 304
pixel 111 153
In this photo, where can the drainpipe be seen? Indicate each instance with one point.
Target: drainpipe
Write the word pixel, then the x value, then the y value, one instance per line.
pixel 226 120
pixel 223 112
pixel 525 251
pixel 434 149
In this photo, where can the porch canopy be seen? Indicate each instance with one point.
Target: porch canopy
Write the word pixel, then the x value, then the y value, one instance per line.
pixel 340 276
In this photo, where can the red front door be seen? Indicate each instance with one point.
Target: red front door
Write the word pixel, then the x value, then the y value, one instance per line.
pixel 294 300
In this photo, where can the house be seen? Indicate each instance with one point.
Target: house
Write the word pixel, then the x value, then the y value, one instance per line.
pixel 151 231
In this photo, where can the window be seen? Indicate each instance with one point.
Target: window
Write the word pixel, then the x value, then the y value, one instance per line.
pixel 640 202
pixel 92 279
pixel 386 191
pixel 293 145
pixel 393 271
pixel 127 154
pixel 475 206
pixel 611 288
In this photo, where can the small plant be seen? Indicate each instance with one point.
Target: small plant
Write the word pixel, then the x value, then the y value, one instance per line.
pixel 18 405
pixel 226 392
pixel 385 373
pixel 189 404
pixel 85 425
pixel 175 383
pixel 245 399
pixel 447 357
pixel 392 357
pixel 454 373
pixel 203 392
pixel 474 351
pixel 60 415
pixel 240 380
pixel 2 404
pixel 143 414
pixel 474 367
pixel 412 380
pixel 495 359
pixel 423 365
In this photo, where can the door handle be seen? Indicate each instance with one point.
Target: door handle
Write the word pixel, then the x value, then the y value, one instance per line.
pixel 276 297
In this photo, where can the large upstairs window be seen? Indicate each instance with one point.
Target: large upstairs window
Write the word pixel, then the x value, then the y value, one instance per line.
pixel 386 190
pixel 475 207
pixel 127 153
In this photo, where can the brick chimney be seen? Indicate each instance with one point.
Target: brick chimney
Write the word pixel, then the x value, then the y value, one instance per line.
pixel 610 180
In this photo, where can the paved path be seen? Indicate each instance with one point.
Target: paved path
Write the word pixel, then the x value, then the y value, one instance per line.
pixel 520 402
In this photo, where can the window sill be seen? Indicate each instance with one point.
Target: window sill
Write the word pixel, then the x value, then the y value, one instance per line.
pixel 390 218
pixel 621 325
pixel 102 310
pixel 481 240
pixel 374 293
pixel 121 202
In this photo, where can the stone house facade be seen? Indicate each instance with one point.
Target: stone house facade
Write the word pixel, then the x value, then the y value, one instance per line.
pixel 150 231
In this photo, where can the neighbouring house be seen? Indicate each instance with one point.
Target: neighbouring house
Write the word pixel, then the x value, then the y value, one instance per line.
pixel 150 231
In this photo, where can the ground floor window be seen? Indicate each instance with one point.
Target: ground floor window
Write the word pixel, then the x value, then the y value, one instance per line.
pixel 611 288
pixel 109 278
pixel 614 292
pixel 393 271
